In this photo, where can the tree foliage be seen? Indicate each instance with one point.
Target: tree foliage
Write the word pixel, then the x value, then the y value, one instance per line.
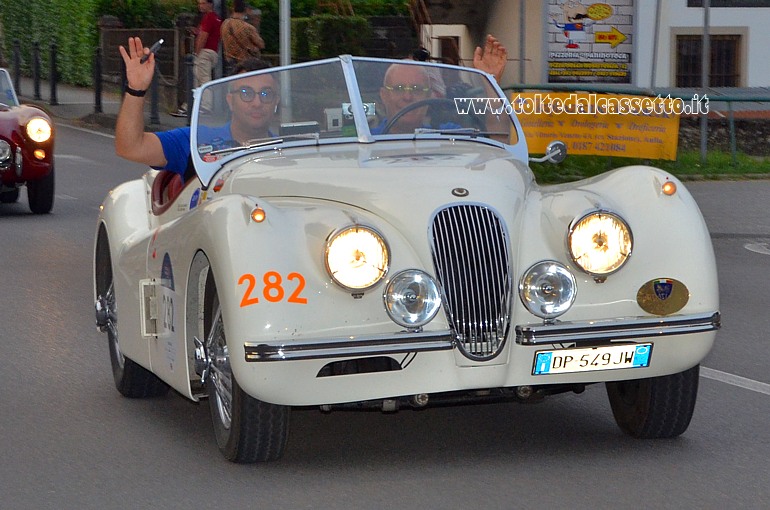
pixel 72 25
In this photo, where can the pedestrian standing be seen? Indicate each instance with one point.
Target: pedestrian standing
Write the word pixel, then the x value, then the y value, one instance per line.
pixel 240 39
pixel 206 52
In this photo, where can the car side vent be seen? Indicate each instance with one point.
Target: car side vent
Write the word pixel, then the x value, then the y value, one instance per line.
pixel 470 253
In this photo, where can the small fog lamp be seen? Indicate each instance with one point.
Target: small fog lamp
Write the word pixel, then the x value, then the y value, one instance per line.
pixel 548 289
pixel 412 298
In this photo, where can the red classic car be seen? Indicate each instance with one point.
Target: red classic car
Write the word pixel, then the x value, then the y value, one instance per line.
pixel 26 150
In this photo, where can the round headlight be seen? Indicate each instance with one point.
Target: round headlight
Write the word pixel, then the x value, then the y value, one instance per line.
pixel 412 298
pixel 39 130
pixel 357 257
pixel 5 151
pixel 548 289
pixel 600 243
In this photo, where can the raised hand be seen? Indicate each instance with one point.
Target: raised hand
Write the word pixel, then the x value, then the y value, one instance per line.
pixel 138 75
pixel 492 58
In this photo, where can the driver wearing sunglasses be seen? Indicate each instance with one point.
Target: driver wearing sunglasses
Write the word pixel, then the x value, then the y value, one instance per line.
pixel 404 85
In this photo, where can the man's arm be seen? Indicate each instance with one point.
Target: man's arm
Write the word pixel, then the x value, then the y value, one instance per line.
pixel 131 141
pixel 256 39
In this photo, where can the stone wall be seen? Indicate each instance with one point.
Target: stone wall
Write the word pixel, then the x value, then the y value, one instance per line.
pixel 752 136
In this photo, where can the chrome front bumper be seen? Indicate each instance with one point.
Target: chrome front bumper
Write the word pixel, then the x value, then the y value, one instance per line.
pixel 588 332
pixel 352 346
pixel 633 328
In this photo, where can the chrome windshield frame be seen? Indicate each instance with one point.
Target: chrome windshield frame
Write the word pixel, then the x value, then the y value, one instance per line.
pixel 207 170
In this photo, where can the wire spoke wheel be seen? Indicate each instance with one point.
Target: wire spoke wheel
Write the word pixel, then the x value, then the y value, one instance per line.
pixel 247 429
pixel 221 376
pixel 131 379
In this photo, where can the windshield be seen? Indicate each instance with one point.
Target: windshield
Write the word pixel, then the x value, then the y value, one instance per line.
pixel 7 94
pixel 343 100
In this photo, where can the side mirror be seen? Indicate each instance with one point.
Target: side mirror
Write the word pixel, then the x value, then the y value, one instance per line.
pixel 555 152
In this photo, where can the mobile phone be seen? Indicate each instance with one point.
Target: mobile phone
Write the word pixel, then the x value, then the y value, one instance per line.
pixel 153 49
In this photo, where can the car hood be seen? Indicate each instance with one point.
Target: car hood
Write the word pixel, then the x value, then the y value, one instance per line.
pixel 396 179
pixel 11 117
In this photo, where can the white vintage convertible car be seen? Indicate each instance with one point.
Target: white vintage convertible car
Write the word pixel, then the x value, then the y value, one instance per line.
pixel 346 255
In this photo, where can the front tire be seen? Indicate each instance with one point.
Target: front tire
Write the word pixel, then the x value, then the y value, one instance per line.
pixel 247 430
pixel 40 194
pixel 655 408
pixel 131 379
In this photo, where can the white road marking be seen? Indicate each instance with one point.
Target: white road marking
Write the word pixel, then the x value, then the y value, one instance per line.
pixel 64 196
pixel 77 128
pixel 71 157
pixel 760 248
pixel 735 380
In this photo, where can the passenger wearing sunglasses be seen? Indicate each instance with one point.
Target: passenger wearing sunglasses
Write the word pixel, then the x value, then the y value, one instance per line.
pixel 253 101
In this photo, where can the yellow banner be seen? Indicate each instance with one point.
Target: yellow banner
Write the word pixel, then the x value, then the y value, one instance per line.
pixel 600 124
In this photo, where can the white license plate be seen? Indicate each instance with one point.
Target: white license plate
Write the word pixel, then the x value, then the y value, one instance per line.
pixel 591 359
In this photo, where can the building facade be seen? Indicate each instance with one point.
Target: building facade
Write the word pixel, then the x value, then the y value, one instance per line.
pixel 641 43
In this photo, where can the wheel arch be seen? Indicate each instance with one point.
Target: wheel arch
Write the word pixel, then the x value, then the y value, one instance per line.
pixel 195 302
pixel 102 259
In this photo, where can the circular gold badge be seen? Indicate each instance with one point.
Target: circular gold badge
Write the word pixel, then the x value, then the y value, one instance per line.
pixel 662 296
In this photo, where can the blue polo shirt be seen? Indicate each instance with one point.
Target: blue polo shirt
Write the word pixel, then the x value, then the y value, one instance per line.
pixel 176 144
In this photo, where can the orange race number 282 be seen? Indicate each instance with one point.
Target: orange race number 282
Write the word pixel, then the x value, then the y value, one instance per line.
pixel 272 288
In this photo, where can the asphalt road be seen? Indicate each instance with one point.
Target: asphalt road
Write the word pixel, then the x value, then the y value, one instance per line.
pixel 69 440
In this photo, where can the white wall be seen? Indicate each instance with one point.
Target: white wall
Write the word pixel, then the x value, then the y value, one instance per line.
pixel 505 24
pixel 753 23
pixel 430 34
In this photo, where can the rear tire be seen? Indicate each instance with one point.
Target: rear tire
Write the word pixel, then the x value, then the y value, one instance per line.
pixel 40 194
pixel 9 197
pixel 655 408
pixel 131 379
pixel 247 430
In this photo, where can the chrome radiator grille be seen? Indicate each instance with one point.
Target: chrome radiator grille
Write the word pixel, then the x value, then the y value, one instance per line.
pixel 470 252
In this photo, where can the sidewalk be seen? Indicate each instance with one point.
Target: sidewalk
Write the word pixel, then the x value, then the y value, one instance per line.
pixel 76 106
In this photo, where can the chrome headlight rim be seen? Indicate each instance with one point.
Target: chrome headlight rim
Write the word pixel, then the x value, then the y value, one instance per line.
pixel 39 129
pixel 524 289
pixel 599 212
pixel 376 235
pixel 432 305
pixel 6 152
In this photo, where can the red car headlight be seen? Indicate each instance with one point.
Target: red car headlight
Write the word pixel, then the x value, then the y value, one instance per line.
pixel 39 130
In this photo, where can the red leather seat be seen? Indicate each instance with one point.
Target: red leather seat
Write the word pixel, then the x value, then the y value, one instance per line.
pixel 165 188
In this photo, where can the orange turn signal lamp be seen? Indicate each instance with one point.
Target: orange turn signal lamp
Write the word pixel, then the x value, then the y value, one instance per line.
pixel 669 188
pixel 258 215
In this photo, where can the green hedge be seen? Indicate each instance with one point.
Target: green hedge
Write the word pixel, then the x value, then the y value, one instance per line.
pixel 71 24
pixel 146 13
pixel 328 35
pixel 306 8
